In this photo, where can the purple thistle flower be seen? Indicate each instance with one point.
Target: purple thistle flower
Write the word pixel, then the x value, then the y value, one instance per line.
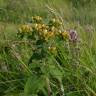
pixel 73 35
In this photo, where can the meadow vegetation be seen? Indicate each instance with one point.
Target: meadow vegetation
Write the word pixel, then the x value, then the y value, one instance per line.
pixel 47 48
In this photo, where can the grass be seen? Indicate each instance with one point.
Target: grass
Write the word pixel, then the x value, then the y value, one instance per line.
pixel 74 73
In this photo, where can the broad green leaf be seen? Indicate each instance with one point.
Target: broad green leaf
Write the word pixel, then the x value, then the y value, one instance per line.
pixel 33 85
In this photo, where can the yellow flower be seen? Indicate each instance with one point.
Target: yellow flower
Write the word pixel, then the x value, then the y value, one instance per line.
pixel 59 31
pixel 35 25
pixel 52 49
pixel 50 34
pixel 40 27
pixel 56 21
pixel 37 19
pixel 53 28
pixel 25 28
pixel 44 26
pixel 65 35
pixel 53 20
pixel 45 32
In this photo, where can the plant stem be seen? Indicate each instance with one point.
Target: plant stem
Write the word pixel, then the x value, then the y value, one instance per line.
pixel 48 86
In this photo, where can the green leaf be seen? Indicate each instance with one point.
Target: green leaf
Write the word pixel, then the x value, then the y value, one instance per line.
pixel 33 85
pixel 56 73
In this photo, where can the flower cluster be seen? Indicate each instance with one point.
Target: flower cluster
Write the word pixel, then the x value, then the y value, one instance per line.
pixel 36 19
pixel 25 28
pixel 64 35
pixel 46 32
pixel 55 22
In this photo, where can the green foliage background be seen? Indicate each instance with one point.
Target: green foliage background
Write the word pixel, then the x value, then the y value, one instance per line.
pixel 15 73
